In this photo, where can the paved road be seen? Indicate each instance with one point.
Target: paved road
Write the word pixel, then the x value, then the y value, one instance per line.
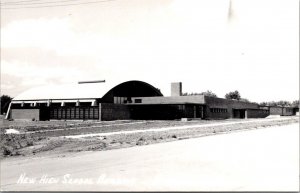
pixel 264 159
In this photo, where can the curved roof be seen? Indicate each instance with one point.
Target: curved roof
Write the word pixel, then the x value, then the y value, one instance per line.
pixel 85 91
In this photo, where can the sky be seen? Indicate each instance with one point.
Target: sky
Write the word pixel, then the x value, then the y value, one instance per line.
pixel 220 45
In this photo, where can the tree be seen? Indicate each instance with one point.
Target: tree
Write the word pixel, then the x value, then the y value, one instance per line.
pixel 280 103
pixel 5 100
pixel 263 103
pixel 206 93
pixel 244 100
pixel 272 103
pixel 295 103
pixel 209 93
pixel 283 103
pixel 190 94
pixel 233 95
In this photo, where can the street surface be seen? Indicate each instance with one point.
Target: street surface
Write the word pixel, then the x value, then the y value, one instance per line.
pixel 264 159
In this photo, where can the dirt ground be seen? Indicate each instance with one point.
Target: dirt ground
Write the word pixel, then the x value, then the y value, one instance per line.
pixel 252 160
pixel 53 137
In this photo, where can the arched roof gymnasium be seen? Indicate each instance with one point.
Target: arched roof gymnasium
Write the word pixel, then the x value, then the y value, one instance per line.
pixel 103 91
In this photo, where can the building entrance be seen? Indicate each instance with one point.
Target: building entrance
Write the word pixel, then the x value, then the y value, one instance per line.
pixel 239 113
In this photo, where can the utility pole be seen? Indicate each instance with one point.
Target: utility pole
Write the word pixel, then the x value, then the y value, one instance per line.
pixel 0 66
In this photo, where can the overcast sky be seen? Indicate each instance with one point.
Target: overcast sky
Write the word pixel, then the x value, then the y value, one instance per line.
pixel 247 45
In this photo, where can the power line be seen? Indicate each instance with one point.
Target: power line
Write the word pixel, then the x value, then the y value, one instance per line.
pixel 39 2
pixel 14 2
pixel 58 5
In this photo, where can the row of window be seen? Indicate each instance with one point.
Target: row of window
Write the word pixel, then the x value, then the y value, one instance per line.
pixel 135 101
pixel 67 104
pixel 122 100
pixel 74 113
pixel 218 110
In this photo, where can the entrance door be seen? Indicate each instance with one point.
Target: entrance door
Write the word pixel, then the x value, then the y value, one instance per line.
pixel 198 111
pixel 242 113
pixel 239 113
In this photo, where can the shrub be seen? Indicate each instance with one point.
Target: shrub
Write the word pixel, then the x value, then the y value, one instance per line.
pixel 7 151
pixel 29 143
pixel 141 139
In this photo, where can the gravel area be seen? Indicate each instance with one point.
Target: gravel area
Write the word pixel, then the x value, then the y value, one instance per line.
pixel 56 137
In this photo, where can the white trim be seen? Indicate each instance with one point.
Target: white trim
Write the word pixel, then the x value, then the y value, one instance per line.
pixel 54 101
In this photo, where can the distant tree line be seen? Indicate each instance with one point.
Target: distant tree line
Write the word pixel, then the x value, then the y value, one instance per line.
pixel 235 95
pixel 206 93
pixel 295 103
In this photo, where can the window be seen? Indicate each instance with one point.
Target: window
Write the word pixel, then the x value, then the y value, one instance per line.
pixel 42 104
pixel 16 105
pixel 218 110
pixel 137 100
pixel 27 105
pixel 129 100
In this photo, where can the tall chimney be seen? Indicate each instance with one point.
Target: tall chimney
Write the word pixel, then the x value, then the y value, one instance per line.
pixel 176 89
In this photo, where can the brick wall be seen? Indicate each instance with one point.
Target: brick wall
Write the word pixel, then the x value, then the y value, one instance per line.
pixel 283 111
pixel 276 111
pixel 108 112
pixel 154 112
pixel 165 111
pixel 199 99
pixel 257 113
pixel 288 111
pixel 223 103
pixel 213 102
pixel 216 115
pixel 25 114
